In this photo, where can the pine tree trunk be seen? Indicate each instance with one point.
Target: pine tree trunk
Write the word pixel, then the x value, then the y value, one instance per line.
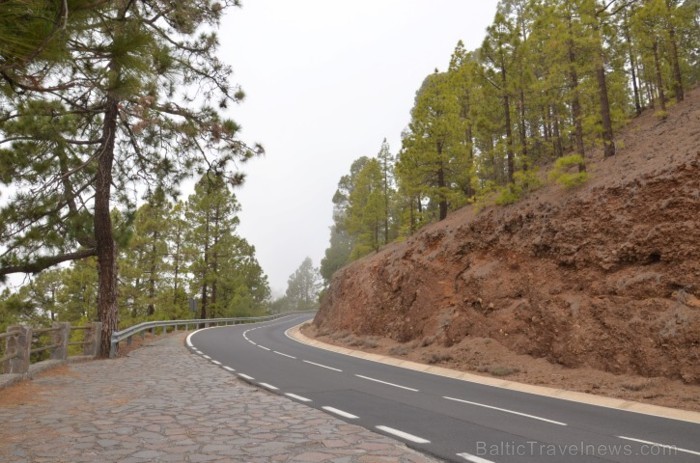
pixel 205 270
pixel 203 310
pixel 376 237
pixel 176 266
pixel 558 146
pixel 386 204
pixel 675 64
pixel 106 247
pixel 215 258
pixel 152 277
pixel 412 216
pixel 659 78
pixel 605 118
pixel 649 87
pixel 575 101
pixel 608 142
pixel 509 130
pixel 523 129
pixel 546 125
pixel 633 66
pixel 443 200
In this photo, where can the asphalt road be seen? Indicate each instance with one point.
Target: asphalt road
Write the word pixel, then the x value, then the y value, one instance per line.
pixel 452 419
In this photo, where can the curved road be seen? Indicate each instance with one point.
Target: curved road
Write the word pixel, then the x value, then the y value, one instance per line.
pixel 452 419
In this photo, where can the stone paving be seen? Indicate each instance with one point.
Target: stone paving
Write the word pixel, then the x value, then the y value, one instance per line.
pixel 162 404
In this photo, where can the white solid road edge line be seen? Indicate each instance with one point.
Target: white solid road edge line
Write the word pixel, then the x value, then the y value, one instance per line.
pixel 323 366
pixel 388 384
pixel 657 444
pixel 473 458
pixel 403 435
pixel 347 415
pixel 505 410
pixel 297 397
pixel 263 347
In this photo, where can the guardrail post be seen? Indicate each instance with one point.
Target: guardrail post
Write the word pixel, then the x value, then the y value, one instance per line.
pixel 113 347
pixel 91 342
pixel 60 339
pixel 22 346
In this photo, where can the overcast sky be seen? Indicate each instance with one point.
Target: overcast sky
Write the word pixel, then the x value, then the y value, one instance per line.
pixel 326 82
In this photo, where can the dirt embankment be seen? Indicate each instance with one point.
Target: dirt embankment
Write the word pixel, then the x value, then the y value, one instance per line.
pixel 602 278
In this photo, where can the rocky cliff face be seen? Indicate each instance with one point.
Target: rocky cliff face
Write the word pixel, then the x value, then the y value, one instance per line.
pixel 605 276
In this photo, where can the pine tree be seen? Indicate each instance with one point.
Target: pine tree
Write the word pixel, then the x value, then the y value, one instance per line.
pixel 143 261
pixel 341 242
pixel 366 212
pixel 386 163
pixel 432 155
pixel 498 53
pixel 136 97
pixel 212 217
pixel 303 287
pixel 178 257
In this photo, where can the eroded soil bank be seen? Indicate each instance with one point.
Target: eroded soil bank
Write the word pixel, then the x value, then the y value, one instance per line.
pixel 594 289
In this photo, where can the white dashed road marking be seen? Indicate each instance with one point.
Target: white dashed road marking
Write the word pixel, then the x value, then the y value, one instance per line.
pixel 347 415
pixel 388 384
pixel 473 458
pixel 323 366
pixel 403 435
pixel 297 397
pixel 656 444
pixel 506 411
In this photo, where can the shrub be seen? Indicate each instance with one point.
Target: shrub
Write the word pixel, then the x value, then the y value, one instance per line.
pixel 663 115
pixel 399 351
pixel 563 171
pixel 523 182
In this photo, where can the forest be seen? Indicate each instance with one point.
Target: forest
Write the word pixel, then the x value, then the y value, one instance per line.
pixel 551 84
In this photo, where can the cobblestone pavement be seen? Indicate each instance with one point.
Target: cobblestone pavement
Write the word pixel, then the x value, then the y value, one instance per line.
pixel 163 404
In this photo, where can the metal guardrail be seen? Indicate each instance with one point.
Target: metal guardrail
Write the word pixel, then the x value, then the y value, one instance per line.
pixel 126 334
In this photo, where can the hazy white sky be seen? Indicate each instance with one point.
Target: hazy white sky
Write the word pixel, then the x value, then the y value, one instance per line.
pixel 326 82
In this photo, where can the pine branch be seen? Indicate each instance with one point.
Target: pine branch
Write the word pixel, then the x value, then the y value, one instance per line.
pixel 59 24
pixel 42 263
